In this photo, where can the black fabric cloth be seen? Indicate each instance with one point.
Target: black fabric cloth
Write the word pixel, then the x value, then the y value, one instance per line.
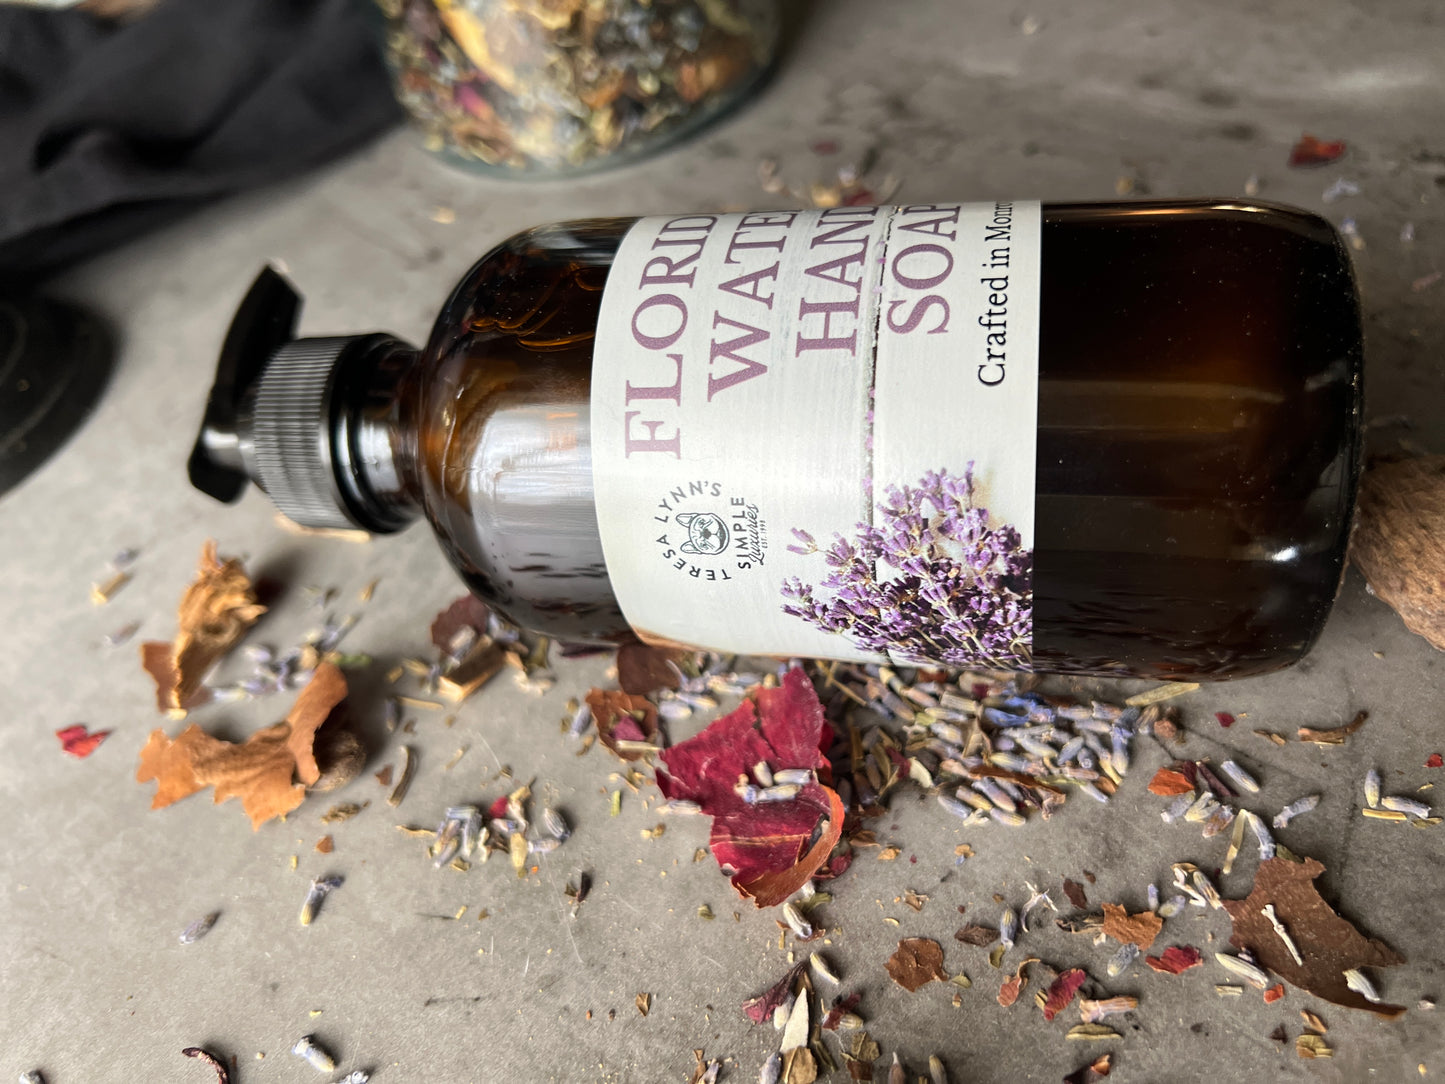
pixel 107 130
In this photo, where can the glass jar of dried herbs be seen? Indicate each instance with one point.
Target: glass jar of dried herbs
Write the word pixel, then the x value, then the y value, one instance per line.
pixel 567 86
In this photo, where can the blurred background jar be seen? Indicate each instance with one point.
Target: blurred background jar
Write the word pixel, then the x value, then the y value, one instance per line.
pixel 530 87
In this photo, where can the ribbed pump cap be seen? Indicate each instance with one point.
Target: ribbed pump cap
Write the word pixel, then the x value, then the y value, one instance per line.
pixel 291 431
pixel 276 412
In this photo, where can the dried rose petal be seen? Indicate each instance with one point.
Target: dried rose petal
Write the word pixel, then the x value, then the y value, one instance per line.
pixel 761 1007
pixel 1435 760
pixel 1062 990
pixel 1310 151
pixel 1175 960
pixel 78 741
pixel 1169 782
pixel 770 849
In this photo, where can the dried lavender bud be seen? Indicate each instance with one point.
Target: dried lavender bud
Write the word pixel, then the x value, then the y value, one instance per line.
pixel 318 891
pixel 1405 805
pixel 313 1055
pixel 772 1070
pixel 1239 777
pixel 199 928
pixel 796 922
pixel 1120 961
pixel 1296 809
pixel 556 824
pixel 1008 927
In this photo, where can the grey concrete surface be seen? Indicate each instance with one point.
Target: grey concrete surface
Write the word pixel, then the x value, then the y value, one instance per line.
pixel 1188 99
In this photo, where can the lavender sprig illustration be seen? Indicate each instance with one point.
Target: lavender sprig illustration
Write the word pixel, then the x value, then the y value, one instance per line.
pixel 960 593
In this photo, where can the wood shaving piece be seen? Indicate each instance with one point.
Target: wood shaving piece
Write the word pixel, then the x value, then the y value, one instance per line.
pixel 341 534
pixel 1313 1022
pixel 1336 735
pixel 644 1003
pixel 1399 541
pixel 1312 1046
pixel 408 769
pixel 102 593
pixel 1091 1033
pixel 262 771
pixel 1160 693
pixel 478 668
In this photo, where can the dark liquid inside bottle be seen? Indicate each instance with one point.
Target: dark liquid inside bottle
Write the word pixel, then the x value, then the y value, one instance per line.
pixel 1198 437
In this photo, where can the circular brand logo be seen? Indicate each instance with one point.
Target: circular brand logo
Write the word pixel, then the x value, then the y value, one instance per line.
pixel 709 533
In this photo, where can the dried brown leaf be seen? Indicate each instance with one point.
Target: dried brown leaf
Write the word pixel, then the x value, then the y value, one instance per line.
pixel 622 717
pixel 917 962
pixel 976 935
pixel 1328 943
pixel 262 771
pixel 643 669
pixel 467 612
pixel 1076 894
pixel 799 1066
pixel 1140 929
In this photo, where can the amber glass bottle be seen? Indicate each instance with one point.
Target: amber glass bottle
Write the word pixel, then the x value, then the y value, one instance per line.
pixel 1193 438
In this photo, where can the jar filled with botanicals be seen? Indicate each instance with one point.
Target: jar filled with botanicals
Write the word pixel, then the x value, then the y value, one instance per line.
pixel 1091 438
pixel 565 86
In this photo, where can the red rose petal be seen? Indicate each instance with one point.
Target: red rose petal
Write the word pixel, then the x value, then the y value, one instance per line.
pixel 1225 719
pixel 1310 151
pixel 78 741
pixel 1274 993
pixel 1175 959
pixel 769 849
pixel 1435 761
pixel 1062 991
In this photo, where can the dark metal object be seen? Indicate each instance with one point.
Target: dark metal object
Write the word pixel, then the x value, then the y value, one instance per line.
pixel 55 360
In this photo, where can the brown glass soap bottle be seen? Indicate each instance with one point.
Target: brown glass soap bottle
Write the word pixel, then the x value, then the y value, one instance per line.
pixel 1116 439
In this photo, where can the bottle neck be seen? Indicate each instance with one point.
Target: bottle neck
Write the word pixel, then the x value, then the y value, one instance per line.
pixel 375 452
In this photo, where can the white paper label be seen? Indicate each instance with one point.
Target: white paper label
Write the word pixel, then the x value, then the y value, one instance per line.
pixel 813 432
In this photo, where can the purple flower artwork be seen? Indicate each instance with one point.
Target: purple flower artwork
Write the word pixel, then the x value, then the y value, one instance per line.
pixel 931 582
